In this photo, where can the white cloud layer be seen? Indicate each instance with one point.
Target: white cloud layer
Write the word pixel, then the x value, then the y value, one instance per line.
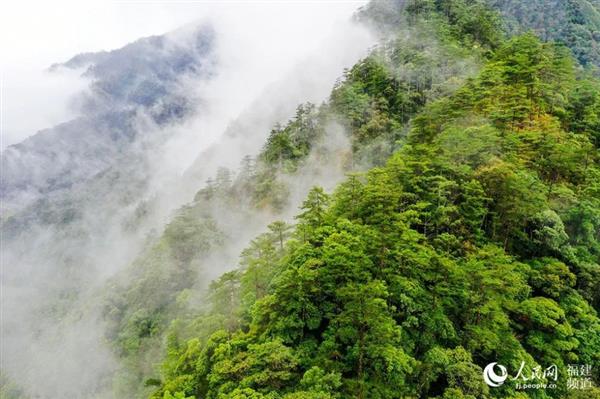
pixel 36 34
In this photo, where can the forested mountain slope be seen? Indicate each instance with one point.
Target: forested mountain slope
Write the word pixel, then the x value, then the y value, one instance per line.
pixel 60 248
pixel 140 80
pixel 314 147
pixel 70 192
pixel 439 212
pixel 476 242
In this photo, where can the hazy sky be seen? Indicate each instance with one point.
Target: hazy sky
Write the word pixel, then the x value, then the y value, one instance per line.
pixel 35 34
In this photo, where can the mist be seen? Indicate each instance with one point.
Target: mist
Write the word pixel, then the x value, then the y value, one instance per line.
pixel 267 58
pixel 33 41
pixel 26 93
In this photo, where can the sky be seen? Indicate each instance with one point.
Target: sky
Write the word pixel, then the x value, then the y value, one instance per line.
pixel 36 34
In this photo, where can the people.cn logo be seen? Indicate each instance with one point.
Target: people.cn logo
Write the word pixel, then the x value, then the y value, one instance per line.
pixel 491 378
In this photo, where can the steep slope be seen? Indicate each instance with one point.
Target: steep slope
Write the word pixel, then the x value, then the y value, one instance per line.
pixel 64 246
pixel 73 197
pixel 351 131
pixel 140 80
pixel 466 231
pixel 477 242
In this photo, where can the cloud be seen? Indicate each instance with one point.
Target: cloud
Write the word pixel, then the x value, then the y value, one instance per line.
pixel 36 34
pixel 34 99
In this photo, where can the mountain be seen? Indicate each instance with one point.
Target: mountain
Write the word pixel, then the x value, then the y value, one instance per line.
pixel 437 214
pixel 67 245
pixel 474 239
pixel 78 199
pixel 140 80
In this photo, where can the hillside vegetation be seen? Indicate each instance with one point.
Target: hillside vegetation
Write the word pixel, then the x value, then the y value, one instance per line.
pixel 467 231
pixel 439 212
pixel 575 23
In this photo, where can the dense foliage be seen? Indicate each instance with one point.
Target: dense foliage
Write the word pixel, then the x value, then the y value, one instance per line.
pixel 467 232
pixel 375 100
pixel 575 23
pixel 478 241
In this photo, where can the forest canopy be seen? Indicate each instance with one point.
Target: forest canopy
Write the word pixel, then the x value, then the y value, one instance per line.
pixel 473 238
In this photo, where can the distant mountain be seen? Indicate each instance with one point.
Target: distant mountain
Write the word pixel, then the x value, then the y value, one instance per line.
pixel 71 191
pixel 142 72
pixel 140 81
